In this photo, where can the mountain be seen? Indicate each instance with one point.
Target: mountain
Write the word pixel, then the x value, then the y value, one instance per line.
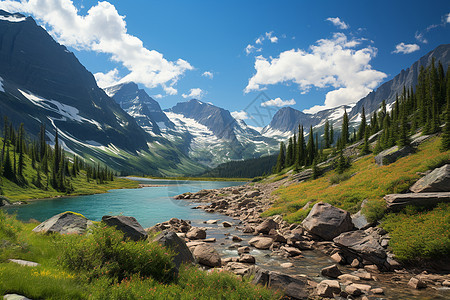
pixel 41 82
pixel 388 90
pixel 138 104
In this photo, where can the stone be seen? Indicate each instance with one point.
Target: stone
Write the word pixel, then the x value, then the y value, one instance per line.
pixel 261 242
pixel 65 223
pixel 294 287
pixel 390 155
pixel 252 194
pixel 446 283
pixel 437 181
pixel 247 259
pixel 210 240
pixel 338 258
pixel 355 263
pixel 396 202
pixel 24 263
pixel 363 274
pixel 353 290
pixel 363 287
pixel 239 268
pixel 287 265
pixel 172 241
pixel 235 238
pixel 227 224
pixel 291 251
pixel 417 283
pixel 248 229
pixel 331 271
pixel 360 221
pixel 266 226
pixel 327 288
pixel 348 277
pixel 4 201
pixel 377 291
pixel 128 225
pixel 209 222
pixel 362 243
pixel 327 221
pixel 207 256
pixel 15 297
pixel 196 234
pixel 244 249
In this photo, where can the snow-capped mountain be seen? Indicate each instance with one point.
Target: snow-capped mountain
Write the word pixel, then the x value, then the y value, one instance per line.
pixel 44 83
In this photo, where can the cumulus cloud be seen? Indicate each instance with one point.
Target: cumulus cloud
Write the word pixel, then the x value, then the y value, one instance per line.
pixel 338 23
pixel 157 96
pixel 335 63
pixel 271 37
pixel 107 79
pixel 278 102
pixel 103 30
pixel 196 93
pixel 250 48
pixel 240 115
pixel 406 48
pixel 208 74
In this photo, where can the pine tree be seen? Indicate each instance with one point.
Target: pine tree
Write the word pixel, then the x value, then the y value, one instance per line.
pixel 289 153
pixel 365 149
pixel 301 146
pixel 362 126
pixel 280 160
pixel 20 149
pixel 331 135
pixel 344 131
pixel 445 144
pixel 310 148
pixel 8 171
pixel 341 164
pixel 326 134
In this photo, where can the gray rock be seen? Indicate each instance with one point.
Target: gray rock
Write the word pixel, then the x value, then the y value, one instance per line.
pixel 436 181
pixel 331 271
pixel 248 229
pixel 417 283
pixel 327 288
pixel 227 224
pixel 207 256
pixel 247 259
pixel 390 155
pixel 15 297
pixel 396 202
pixel 294 287
pixel 65 223
pixel 244 249
pixel 327 221
pixel 353 290
pixel 4 201
pixel 128 225
pixel 266 226
pixel 171 240
pixel 25 263
pixel 261 242
pixel 360 221
pixel 196 234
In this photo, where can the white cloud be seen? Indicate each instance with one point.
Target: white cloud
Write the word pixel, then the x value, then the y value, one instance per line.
pixel 259 40
pixel 107 79
pixel 338 23
pixel 208 74
pixel 250 48
pixel 447 18
pixel 196 93
pixel 240 115
pixel 420 37
pixel 328 63
pixel 103 30
pixel 406 48
pixel 157 96
pixel 278 102
pixel 271 37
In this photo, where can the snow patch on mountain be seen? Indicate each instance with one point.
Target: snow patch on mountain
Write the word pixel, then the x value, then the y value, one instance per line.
pixel 13 18
pixel 2 89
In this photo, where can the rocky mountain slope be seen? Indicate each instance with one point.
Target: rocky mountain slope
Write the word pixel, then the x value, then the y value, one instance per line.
pixel 44 83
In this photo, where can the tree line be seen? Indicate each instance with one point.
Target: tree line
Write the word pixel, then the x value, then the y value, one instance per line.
pixel 47 166
pixel 425 108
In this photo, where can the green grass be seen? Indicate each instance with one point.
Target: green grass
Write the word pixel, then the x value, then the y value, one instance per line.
pixel 419 234
pixel 104 266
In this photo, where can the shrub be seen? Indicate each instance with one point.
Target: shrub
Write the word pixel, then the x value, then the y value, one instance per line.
pixel 337 178
pixel 374 210
pixel 105 253
pixel 419 235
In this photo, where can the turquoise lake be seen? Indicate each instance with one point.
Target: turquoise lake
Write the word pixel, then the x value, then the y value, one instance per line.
pixel 149 205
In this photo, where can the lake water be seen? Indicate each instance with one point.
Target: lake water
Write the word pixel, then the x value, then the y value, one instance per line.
pixel 149 205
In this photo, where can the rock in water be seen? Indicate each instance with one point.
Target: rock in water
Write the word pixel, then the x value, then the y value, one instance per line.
pixel 65 223
pixel 293 287
pixel 266 226
pixel 207 255
pixel 436 181
pixel 331 271
pixel 128 225
pixel 327 221
pixel 172 241
pixel 261 242
pixel 196 234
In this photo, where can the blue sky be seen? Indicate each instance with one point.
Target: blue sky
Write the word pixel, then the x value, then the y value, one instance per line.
pixel 312 53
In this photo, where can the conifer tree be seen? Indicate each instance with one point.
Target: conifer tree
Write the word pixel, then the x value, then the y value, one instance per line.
pixel 301 146
pixel 310 148
pixel 445 145
pixel 326 134
pixel 344 131
pixel 289 153
pixel 331 135
pixel 281 159
pixel 365 149
pixel 362 126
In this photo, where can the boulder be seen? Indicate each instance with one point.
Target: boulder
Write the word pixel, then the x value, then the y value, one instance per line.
pixel 436 181
pixel 244 249
pixel 417 283
pixel 252 194
pixel 363 244
pixel 363 287
pixel 15 297
pixel 247 259
pixel 65 223
pixel 353 290
pixel 227 224
pixel 196 234
pixel 171 240
pixel 266 226
pixel 360 221
pixel 292 251
pixel 327 221
pixel 248 229
pixel 239 268
pixel 260 242
pixel 24 263
pixel 396 202
pixel 327 288
pixel 207 256
pixel 294 287
pixel 331 271
pixel 4 201
pixel 390 155
pixel 128 225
